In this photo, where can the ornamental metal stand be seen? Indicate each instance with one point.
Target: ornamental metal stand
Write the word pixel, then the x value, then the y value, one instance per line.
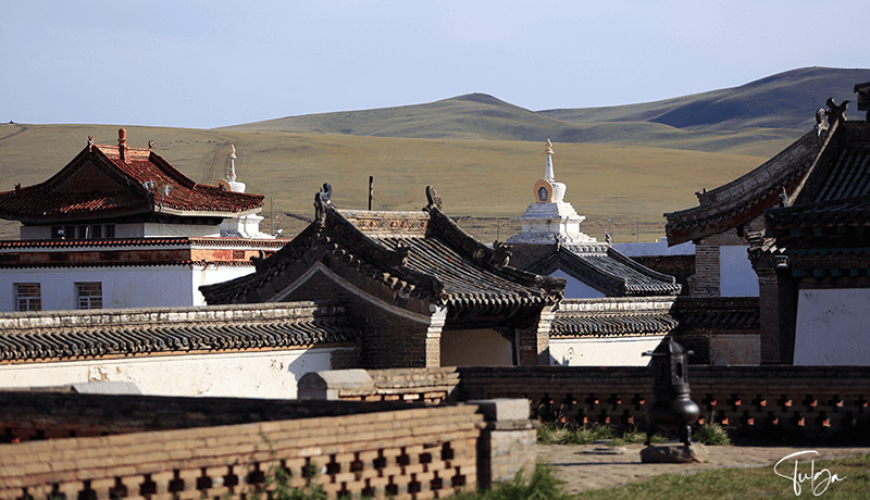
pixel 670 408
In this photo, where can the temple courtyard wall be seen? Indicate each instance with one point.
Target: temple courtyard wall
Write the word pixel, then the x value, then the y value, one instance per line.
pixel 769 402
pixel 178 448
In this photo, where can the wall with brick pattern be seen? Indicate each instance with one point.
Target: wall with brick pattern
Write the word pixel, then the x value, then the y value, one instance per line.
pixel 412 454
pixel 800 402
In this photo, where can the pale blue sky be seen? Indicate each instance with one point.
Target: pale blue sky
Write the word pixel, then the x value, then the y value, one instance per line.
pixel 214 63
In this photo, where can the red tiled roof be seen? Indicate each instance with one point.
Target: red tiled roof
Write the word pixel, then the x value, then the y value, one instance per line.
pixel 98 183
pixel 154 263
pixel 138 242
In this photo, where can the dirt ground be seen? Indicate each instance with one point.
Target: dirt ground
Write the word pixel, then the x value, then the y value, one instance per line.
pixel 582 468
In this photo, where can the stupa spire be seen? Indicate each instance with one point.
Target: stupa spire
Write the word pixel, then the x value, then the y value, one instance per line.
pixel 231 168
pixel 549 218
pixel 549 174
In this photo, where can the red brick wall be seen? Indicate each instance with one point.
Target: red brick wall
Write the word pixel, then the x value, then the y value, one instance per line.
pixel 413 453
pixel 809 402
pixel 801 402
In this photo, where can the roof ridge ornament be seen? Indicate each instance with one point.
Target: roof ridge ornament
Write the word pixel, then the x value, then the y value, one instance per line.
pixel 837 112
pixel 322 201
pixel 433 200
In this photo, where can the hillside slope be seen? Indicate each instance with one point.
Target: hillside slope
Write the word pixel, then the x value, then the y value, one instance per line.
pixel 778 108
pixel 786 100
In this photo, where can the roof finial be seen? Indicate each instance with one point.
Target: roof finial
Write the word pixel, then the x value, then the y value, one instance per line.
pixel 548 171
pixel 231 169
pixel 122 143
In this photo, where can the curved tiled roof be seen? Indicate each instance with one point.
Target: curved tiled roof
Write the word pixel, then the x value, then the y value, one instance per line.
pixel 33 336
pixel 598 265
pixel 400 256
pixel 603 324
pixel 719 320
pixel 120 263
pixel 746 197
pixel 99 183
pixel 840 212
pixel 140 242
pixel 718 313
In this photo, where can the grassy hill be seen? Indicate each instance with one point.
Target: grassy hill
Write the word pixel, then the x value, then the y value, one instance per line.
pixel 492 179
pixel 777 108
pixel 482 155
pixel 784 101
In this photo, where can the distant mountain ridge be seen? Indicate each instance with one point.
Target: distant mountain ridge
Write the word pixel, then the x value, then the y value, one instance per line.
pixel 783 104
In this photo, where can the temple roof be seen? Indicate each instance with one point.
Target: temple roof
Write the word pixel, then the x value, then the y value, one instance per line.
pixel 822 165
pixel 744 198
pixel 613 317
pixel 598 265
pixel 608 324
pixel 89 334
pixel 409 259
pixel 104 182
pixel 718 313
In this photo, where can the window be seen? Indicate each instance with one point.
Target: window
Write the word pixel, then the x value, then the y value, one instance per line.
pixel 110 230
pixel 69 232
pixel 96 232
pixel 83 232
pixel 28 297
pixel 57 232
pixel 89 295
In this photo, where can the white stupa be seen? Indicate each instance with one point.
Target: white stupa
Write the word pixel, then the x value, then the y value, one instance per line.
pixel 247 226
pixel 550 219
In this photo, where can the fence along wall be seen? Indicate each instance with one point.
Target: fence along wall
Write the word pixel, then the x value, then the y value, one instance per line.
pixel 411 453
pixel 771 401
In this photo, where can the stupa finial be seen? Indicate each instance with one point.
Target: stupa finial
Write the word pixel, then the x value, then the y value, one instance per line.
pixel 231 168
pixel 548 171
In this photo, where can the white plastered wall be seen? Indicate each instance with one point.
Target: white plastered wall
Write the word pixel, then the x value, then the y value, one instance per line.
pixel 604 351
pixel 833 327
pixel 267 374
pixel 483 347
pixel 122 287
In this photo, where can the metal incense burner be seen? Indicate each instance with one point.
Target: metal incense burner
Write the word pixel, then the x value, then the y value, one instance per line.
pixel 670 409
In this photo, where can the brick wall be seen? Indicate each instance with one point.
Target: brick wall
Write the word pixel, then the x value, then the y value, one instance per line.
pixel 411 453
pixel 771 401
pixel 681 267
pixel 380 347
pixel 801 402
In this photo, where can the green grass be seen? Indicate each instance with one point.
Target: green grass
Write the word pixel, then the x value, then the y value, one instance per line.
pixel 712 434
pixel 549 433
pixel 483 155
pixel 756 482
pixel 492 179
pixel 543 485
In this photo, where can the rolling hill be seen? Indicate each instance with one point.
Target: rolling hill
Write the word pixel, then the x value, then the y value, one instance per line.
pixel 780 107
pixel 624 166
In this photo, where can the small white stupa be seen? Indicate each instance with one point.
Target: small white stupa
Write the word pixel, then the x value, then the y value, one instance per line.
pixel 247 226
pixel 550 219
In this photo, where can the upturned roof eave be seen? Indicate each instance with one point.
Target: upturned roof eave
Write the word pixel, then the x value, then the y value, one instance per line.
pixel 744 198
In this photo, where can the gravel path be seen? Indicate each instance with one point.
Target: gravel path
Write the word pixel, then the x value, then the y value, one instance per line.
pixel 582 468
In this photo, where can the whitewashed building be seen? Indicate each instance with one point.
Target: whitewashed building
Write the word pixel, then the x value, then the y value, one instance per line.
pixel 121 227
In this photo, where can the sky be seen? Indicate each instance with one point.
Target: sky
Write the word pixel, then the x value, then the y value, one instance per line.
pixel 205 64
